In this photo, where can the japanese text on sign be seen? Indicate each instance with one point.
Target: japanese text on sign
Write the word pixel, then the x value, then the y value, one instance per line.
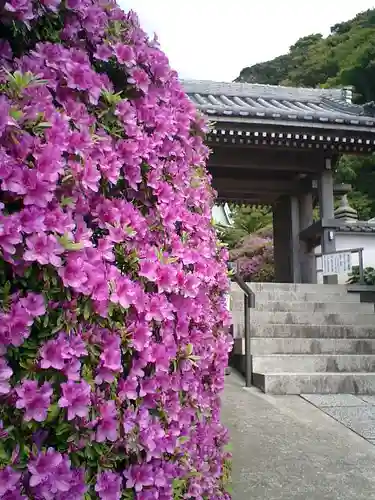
pixel 337 263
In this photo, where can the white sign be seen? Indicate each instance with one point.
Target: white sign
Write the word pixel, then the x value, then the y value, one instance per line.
pixel 337 263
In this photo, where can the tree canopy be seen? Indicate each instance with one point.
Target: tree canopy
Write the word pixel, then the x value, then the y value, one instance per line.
pixel 345 57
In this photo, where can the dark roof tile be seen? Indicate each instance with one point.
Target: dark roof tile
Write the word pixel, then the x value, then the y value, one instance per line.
pixel 357 227
pixel 251 101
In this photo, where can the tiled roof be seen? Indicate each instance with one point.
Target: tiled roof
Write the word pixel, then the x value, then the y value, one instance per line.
pixel 252 102
pixel 357 227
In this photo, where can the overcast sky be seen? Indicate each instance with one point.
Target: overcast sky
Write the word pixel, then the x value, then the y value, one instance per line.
pixel 215 39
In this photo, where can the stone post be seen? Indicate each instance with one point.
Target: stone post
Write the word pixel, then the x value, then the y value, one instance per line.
pixel 326 204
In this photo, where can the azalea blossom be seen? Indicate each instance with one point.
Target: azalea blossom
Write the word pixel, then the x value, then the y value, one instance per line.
pixel 34 399
pixel 112 328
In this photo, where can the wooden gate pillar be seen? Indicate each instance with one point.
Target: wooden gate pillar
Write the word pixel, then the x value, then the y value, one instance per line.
pixel 307 255
pixel 286 240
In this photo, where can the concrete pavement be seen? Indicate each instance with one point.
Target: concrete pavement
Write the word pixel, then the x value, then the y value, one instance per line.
pixel 284 448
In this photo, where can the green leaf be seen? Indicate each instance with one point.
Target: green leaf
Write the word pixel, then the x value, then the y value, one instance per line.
pixel 4 455
pixel 68 244
pixel 75 459
pixel 99 448
pixel 63 428
pixel 189 349
pixel 66 201
pixel 16 114
pixel 45 321
pixel 42 125
pixel 127 494
pixel 53 412
pixel 129 231
pixel 183 439
pixel 87 310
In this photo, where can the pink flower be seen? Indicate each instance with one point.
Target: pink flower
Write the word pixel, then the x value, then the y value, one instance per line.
pixel 108 486
pixel 108 423
pixel 34 304
pixel 141 335
pixel 103 52
pixel 123 293
pixel 148 269
pixel 54 353
pixel 44 249
pixel 76 398
pixel 34 399
pixel 5 374
pixel 8 481
pixel 128 389
pixel 139 78
pixel 32 220
pixel 124 54
pixel 51 4
pixel 139 476
pixel 73 272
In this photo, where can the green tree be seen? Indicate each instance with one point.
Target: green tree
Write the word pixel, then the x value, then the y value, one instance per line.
pixel 246 220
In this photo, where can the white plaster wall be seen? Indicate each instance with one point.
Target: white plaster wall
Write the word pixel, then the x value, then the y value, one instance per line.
pixel 346 241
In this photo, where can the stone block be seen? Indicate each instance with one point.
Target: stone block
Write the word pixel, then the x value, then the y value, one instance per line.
pixel 360 419
pixel 312 363
pixel 313 331
pixel 280 295
pixel 314 307
pixel 269 345
pixel 333 400
pixel 368 399
pixel 311 318
pixel 316 383
pixel 299 288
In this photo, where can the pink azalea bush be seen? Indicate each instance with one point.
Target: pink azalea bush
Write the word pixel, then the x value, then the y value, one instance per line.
pixel 255 259
pixel 112 284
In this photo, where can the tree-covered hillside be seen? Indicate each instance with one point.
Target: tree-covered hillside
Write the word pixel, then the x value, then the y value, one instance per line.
pixel 346 57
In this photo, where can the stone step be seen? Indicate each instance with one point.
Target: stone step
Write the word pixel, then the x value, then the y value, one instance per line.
pixel 312 363
pixel 307 318
pixel 299 288
pixel 280 295
pixel 313 307
pixel 265 346
pixel 316 383
pixel 314 331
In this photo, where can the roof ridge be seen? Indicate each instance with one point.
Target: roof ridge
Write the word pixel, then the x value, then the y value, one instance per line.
pixel 342 105
pixel 246 89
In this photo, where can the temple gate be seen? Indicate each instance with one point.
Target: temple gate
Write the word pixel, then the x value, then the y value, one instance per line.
pixel 279 146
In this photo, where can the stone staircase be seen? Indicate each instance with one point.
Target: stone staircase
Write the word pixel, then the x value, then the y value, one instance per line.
pixel 312 339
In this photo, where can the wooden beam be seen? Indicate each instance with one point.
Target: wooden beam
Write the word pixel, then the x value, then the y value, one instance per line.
pixel 246 198
pixel 319 226
pixel 266 159
pixel 257 186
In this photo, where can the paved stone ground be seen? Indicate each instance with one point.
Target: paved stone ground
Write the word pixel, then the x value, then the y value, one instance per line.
pixel 285 448
pixel 355 412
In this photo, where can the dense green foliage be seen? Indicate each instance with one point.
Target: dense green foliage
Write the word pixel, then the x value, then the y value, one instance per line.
pixel 368 275
pixel 246 220
pixel 344 58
